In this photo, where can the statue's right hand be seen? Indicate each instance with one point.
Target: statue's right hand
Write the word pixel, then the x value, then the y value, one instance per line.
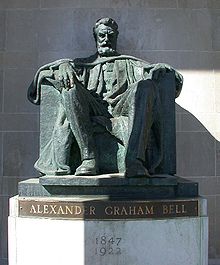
pixel 66 75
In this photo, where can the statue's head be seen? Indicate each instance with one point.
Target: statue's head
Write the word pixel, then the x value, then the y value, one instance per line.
pixel 105 32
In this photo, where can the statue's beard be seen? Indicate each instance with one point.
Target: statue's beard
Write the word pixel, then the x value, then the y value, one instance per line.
pixel 106 51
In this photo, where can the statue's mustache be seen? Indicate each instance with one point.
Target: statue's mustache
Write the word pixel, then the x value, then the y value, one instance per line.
pixel 105 44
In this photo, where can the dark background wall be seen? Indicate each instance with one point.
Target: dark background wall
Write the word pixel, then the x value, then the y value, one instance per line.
pixel 183 33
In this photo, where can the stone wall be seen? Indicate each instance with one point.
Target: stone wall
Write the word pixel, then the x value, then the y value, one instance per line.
pixel 183 33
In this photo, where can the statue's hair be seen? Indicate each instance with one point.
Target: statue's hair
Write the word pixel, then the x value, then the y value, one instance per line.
pixel 105 21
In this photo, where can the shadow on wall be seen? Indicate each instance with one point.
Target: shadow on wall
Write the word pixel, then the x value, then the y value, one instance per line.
pixel 197 148
pixel 198 159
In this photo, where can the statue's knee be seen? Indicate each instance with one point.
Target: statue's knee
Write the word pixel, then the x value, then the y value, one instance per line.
pixel 73 92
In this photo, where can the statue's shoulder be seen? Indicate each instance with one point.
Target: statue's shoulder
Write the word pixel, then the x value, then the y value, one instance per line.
pixel 86 60
pixel 94 60
pixel 137 62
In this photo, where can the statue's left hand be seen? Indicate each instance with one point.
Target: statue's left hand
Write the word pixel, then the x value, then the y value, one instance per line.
pixel 159 70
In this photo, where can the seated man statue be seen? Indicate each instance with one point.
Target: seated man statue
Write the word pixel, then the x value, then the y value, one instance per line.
pixel 118 92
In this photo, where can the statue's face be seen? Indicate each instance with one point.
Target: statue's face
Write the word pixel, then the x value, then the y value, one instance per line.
pixel 106 40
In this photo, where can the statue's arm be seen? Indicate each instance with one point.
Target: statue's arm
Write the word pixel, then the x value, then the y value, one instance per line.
pixel 43 72
pixel 158 71
pixel 179 82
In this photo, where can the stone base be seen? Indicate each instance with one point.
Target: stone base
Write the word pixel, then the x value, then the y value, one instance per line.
pixel 168 241
pixel 115 186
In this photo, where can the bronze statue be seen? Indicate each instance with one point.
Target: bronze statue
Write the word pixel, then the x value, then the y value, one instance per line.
pixel 118 93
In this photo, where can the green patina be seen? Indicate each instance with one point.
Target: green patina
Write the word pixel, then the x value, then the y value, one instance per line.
pixel 106 113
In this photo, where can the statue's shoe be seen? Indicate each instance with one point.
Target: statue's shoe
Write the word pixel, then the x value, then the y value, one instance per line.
pixel 136 169
pixel 87 168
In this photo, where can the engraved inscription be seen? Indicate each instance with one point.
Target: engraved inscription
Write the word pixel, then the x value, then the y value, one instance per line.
pixel 174 209
pixel 108 210
pixel 61 210
pixel 108 245
pixel 130 210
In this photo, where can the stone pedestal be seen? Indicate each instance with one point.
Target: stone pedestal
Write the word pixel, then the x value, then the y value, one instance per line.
pixel 113 186
pixel 75 231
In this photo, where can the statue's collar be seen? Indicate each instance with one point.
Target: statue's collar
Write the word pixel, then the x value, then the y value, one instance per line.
pixel 96 59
